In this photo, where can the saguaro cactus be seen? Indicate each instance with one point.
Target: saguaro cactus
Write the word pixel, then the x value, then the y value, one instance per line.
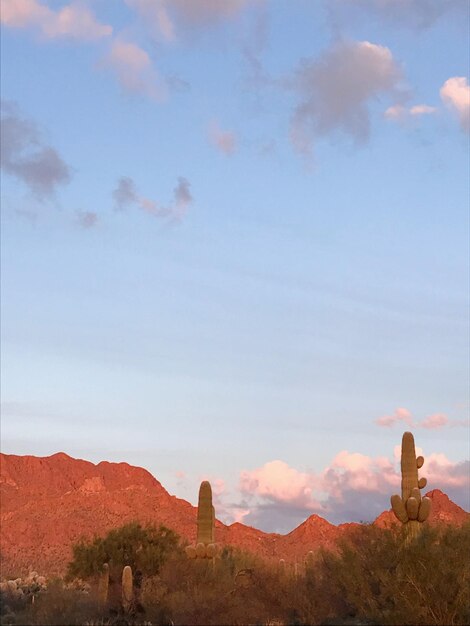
pixel 411 509
pixel 103 585
pixel 127 589
pixel 205 546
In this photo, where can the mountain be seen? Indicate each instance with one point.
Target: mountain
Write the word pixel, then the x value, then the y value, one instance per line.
pixel 48 503
pixel 443 511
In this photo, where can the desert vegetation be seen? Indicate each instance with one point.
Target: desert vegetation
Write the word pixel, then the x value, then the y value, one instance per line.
pixel 375 576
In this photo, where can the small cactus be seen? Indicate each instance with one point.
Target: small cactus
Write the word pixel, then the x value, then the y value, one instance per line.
pixel 103 585
pixel 205 543
pixel 410 508
pixel 127 589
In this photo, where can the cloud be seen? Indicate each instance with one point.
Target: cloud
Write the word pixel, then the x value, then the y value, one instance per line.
pixel 401 112
pixel 73 20
pixel 25 155
pixel 87 219
pixel 134 70
pixel 162 16
pixel 353 487
pixel 432 422
pixel 126 195
pixel 335 91
pixel 455 93
pixel 154 13
pixel 400 415
pixel 278 482
pixel 207 11
pixel 416 14
pixel 224 140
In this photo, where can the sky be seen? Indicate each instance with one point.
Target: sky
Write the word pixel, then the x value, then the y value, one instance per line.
pixel 235 245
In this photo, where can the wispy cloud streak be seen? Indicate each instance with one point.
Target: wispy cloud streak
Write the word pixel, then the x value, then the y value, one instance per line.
pixel 126 195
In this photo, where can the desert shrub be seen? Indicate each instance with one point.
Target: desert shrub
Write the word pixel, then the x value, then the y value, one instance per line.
pixel 56 607
pixel 144 549
pixel 377 576
pixel 372 578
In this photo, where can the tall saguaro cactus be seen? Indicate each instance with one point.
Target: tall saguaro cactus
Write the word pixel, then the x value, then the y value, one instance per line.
pixel 410 508
pixel 205 546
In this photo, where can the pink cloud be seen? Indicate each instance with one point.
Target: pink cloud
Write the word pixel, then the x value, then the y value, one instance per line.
pixel 277 481
pixel 435 421
pixel 336 88
pixel 73 20
pixel 432 422
pixel 126 195
pixel 134 70
pixel 399 112
pixel 352 487
pixel 155 15
pixel 399 415
pixel 455 93
pixel 224 140
pixel 422 109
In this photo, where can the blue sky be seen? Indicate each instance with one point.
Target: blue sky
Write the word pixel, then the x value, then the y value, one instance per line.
pixel 234 236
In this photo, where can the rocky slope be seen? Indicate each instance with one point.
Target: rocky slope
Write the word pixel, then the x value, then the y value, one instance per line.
pixel 49 503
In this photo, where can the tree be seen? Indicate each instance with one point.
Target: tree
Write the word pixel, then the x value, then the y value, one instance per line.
pixel 143 548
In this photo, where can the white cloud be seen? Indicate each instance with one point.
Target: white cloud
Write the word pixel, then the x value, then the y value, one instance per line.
pixel 73 20
pixel 455 93
pixel 336 89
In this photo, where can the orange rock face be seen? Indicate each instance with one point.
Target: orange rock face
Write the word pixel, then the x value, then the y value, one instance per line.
pixel 48 504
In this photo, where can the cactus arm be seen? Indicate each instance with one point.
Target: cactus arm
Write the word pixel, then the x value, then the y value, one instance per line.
pixel 424 509
pixel 399 509
pixel 412 507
